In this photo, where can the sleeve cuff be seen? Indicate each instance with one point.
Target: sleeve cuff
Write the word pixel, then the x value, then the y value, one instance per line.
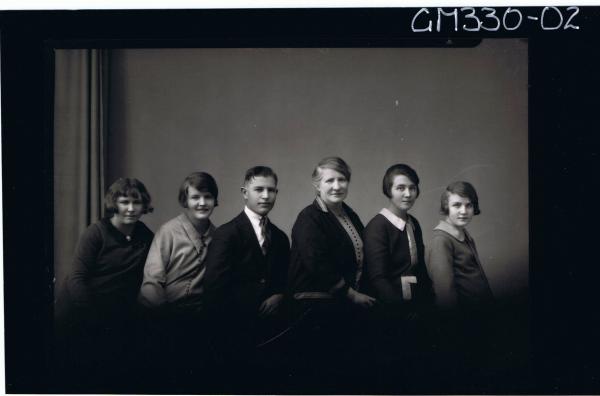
pixel 340 288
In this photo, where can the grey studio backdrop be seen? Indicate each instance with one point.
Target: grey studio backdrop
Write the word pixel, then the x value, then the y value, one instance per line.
pixel 452 114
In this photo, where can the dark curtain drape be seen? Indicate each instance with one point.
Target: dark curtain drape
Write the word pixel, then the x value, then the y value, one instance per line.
pixel 80 131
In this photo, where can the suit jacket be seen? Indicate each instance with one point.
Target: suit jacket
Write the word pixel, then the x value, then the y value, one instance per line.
pixel 323 261
pixel 238 276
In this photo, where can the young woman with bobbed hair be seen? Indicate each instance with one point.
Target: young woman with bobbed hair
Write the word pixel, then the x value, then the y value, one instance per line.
pixel 174 270
pixel 395 269
pixel 100 324
pixel 172 290
pixel 110 256
pixel 466 309
pixel 459 281
pixel 394 250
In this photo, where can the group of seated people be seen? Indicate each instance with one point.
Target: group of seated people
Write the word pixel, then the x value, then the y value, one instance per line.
pixel 230 296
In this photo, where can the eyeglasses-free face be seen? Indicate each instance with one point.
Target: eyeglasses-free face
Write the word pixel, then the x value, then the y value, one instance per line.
pixel 129 210
pixel 403 193
pixel 200 204
pixel 333 187
pixel 460 211
pixel 260 194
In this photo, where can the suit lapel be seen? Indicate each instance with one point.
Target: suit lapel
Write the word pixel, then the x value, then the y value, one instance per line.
pixel 247 231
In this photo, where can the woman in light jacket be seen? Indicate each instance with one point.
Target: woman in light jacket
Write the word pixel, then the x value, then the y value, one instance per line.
pixel 178 340
pixel 174 270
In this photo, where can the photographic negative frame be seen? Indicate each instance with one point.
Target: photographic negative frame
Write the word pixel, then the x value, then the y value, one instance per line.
pixel 560 87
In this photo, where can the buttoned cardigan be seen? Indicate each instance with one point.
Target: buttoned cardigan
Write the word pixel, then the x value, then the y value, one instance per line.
pixel 175 267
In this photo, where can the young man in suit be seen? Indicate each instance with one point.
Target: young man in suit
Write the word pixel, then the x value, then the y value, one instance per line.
pixel 246 271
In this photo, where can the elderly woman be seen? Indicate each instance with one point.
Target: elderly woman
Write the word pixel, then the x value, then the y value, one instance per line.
pixel 459 281
pixel 326 262
pixel 327 247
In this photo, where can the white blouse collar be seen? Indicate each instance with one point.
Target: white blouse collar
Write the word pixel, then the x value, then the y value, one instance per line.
pixel 395 220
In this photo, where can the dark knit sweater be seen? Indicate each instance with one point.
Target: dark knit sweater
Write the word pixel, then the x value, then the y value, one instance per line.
pixel 107 269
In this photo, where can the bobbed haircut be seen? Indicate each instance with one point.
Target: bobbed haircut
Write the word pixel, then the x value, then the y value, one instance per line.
pixel 395 170
pixel 335 163
pixel 259 171
pixel 202 182
pixel 126 187
pixel 465 190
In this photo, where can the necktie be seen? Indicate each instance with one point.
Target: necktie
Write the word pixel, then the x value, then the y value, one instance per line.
pixel 264 229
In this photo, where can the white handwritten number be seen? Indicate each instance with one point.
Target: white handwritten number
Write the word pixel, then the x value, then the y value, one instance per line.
pixel 568 24
pixel 406 290
pixel 427 29
pixel 551 27
pixel 491 15
pixel 473 16
pixel 442 12
pixel 516 26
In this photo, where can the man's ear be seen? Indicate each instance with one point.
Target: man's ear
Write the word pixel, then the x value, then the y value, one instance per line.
pixel 244 192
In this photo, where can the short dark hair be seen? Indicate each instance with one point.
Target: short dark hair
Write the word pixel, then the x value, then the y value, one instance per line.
pixel 259 171
pixel 465 190
pixel 335 163
pixel 201 181
pixel 126 187
pixel 395 170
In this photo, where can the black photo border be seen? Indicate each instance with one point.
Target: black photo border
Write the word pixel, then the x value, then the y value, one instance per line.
pixel 563 156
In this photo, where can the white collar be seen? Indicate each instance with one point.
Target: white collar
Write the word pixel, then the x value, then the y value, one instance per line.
pixel 395 220
pixel 452 230
pixel 253 216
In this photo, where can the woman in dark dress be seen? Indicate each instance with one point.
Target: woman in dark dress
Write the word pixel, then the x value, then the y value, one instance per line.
pixel 395 268
pixel 106 276
pixel 110 256
pixel 326 271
